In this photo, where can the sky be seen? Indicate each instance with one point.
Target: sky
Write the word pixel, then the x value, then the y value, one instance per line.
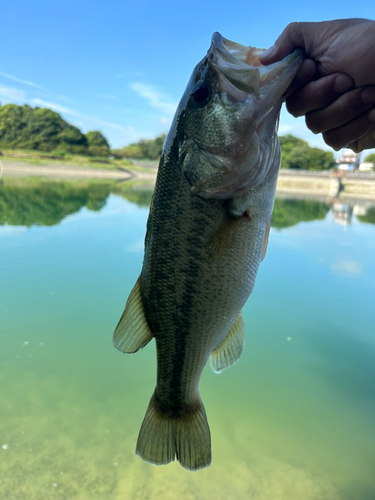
pixel 121 66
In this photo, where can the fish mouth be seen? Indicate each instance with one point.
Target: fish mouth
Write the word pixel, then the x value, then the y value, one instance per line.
pixel 245 74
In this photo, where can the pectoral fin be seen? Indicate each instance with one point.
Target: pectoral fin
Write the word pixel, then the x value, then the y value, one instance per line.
pixel 224 234
pixel 265 241
pixel 230 350
pixel 132 332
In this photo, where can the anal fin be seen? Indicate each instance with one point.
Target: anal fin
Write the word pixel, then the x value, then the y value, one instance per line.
pixel 132 332
pixel 230 350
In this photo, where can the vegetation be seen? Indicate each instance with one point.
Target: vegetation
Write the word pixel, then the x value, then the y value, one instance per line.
pixel 297 154
pixel 97 144
pixel 41 129
pixel 57 157
pixel 370 158
pixel 44 130
pixel 145 148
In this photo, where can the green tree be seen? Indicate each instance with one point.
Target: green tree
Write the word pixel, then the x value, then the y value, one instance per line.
pixel 297 154
pixel 145 148
pixel 370 158
pixel 132 151
pixel 45 130
pixel 97 143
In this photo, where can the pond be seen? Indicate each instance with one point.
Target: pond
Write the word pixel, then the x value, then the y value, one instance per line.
pixel 293 419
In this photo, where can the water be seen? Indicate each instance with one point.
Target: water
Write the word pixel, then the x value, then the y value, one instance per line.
pixel 294 419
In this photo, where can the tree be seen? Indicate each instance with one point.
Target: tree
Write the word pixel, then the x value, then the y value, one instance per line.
pixel 370 158
pixel 45 130
pixel 132 151
pixel 145 148
pixel 297 154
pixel 97 143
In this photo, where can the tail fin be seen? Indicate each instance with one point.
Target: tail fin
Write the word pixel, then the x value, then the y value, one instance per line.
pixel 163 438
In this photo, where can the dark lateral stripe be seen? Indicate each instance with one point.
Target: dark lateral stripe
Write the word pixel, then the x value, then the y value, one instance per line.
pixel 193 242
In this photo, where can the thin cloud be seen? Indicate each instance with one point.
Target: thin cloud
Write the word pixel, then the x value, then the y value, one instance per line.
pixel 158 100
pixel 76 114
pixel 54 106
pixel 346 268
pixel 24 82
pixel 107 96
pixel 12 93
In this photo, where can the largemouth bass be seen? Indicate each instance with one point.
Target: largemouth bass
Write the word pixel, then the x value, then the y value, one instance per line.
pixel 207 232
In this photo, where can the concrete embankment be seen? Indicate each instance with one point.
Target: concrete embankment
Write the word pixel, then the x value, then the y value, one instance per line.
pixel 327 184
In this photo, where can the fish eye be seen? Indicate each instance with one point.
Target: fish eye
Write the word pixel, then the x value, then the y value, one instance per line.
pixel 201 93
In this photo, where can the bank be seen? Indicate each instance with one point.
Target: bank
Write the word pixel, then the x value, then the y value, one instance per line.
pixel 327 184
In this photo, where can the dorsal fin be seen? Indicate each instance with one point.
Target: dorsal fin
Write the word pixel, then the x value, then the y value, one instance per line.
pixel 230 350
pixel 132 332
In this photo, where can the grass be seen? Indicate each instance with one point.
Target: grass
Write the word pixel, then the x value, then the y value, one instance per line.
pixel 41 158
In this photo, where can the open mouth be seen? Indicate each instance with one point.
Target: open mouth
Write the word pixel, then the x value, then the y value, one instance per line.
pixel 241 65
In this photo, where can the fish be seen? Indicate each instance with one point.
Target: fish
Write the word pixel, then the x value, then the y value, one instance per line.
pixel 207 233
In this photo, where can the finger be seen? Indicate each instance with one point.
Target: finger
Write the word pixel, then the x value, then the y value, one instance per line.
pixel 304 75
pixel 342 110
pixel 318 94
pixel 365 142
pixel 292 37
pixel 351 132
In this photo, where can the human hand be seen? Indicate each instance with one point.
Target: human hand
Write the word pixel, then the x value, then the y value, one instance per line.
pixel 346 119
pixel 339 54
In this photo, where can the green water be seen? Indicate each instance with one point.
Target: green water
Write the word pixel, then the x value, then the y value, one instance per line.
pixel 294 419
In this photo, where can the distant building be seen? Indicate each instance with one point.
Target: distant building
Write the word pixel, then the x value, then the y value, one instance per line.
pixel 348 161
pixel 366 166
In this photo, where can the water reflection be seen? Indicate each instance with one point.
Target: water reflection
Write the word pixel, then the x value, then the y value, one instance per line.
pixel 289 212
pixel 367 217
pixel 342 213
pixel 27 202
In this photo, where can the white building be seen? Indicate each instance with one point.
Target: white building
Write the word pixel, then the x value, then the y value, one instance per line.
pixel 348 161
pixel 366 166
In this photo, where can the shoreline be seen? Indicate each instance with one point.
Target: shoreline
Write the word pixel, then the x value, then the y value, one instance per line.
pixel 347 186
pixel 60 171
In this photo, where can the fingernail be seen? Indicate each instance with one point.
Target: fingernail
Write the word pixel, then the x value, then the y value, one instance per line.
pixel 268 53
pixel 371 116
pixel 368 95
pixel 343 83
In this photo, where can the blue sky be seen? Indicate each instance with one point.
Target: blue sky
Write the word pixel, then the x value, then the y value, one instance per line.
pixel 121 67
